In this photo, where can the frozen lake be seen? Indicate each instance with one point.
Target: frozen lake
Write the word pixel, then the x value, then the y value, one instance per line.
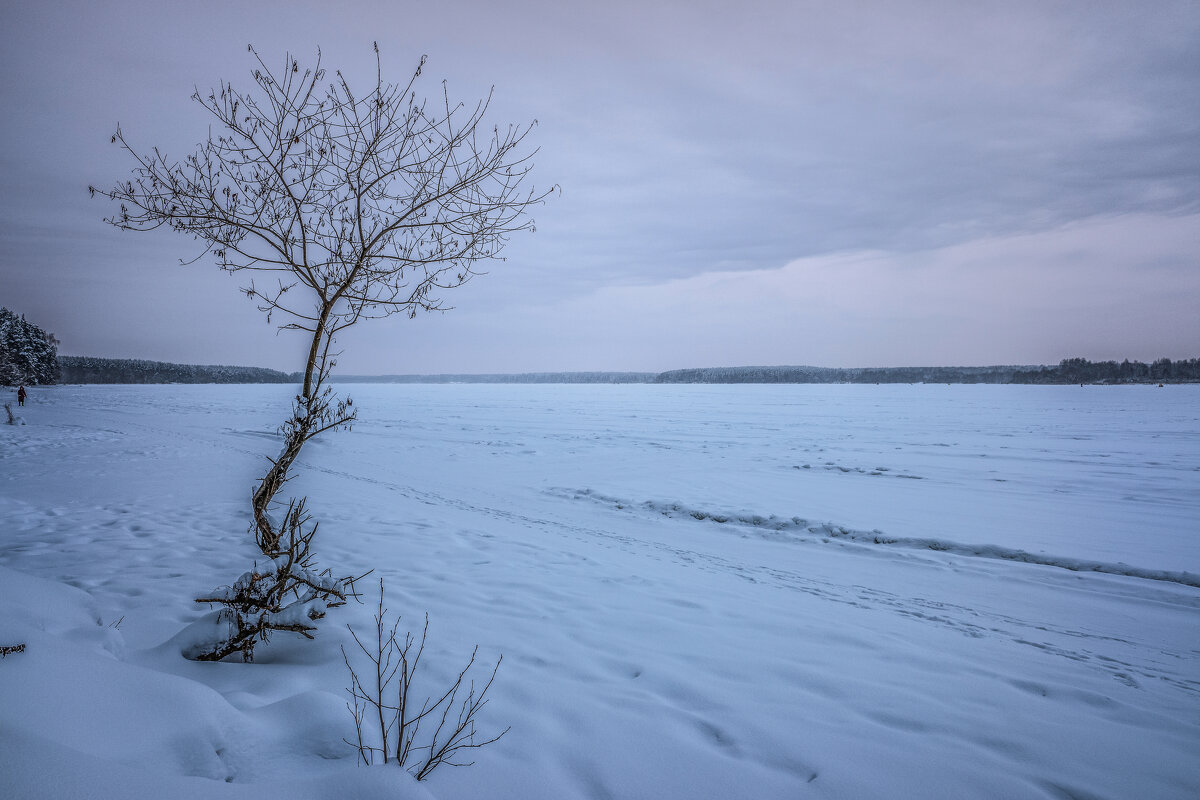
pixel 1103 473
pixel 700 591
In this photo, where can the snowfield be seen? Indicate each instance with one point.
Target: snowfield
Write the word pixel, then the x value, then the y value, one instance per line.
pixel 699 591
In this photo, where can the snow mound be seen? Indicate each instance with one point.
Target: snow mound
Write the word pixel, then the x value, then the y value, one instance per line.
pixel 80 721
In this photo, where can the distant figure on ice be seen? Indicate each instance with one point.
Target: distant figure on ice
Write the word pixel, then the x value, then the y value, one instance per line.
pixel 21 394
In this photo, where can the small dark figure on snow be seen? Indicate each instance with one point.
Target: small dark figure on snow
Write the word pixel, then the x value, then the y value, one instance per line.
pixel 21 394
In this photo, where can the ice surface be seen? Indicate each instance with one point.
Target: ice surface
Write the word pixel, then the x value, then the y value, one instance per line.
pixel 699 591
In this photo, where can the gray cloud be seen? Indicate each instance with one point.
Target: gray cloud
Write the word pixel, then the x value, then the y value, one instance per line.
pixel 688 138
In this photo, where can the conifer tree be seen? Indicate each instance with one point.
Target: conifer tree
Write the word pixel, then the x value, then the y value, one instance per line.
pixel 28 354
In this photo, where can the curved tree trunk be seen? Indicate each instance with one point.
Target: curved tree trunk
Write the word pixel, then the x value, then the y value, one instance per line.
pixel 286 593
pixel 299 430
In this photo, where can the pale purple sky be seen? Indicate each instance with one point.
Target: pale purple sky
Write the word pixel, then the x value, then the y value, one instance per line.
pixel 825 183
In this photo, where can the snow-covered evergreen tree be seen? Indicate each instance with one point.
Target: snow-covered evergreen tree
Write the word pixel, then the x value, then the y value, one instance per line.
pixel 28 354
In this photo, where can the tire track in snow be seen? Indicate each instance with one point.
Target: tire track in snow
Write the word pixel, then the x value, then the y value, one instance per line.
pixel 828 530
pixel 967 620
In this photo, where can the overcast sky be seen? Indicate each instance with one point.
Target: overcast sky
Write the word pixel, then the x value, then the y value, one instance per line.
pixel 825 183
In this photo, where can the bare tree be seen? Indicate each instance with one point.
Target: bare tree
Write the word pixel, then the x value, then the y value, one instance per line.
pixel 342 207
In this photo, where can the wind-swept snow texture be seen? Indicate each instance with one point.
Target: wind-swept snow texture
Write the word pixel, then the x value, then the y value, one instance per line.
pixel 699 591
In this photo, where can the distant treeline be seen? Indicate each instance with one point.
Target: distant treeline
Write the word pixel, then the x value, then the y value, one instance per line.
pixel 521 377
pixel 1069 370
pixel 85 369
pixel 81 369
pixel 843 375
pixel 1080 370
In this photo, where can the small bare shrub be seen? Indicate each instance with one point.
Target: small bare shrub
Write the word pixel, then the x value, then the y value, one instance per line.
pixel 387 718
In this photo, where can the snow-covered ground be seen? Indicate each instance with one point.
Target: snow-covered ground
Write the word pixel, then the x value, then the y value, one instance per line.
pixel 699 591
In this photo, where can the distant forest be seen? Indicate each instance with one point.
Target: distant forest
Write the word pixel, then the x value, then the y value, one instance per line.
pixel 843 375
pixel 85 369
pixel 82 369
pixel 1070 370
pixel 516 377
pixel 1080 370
